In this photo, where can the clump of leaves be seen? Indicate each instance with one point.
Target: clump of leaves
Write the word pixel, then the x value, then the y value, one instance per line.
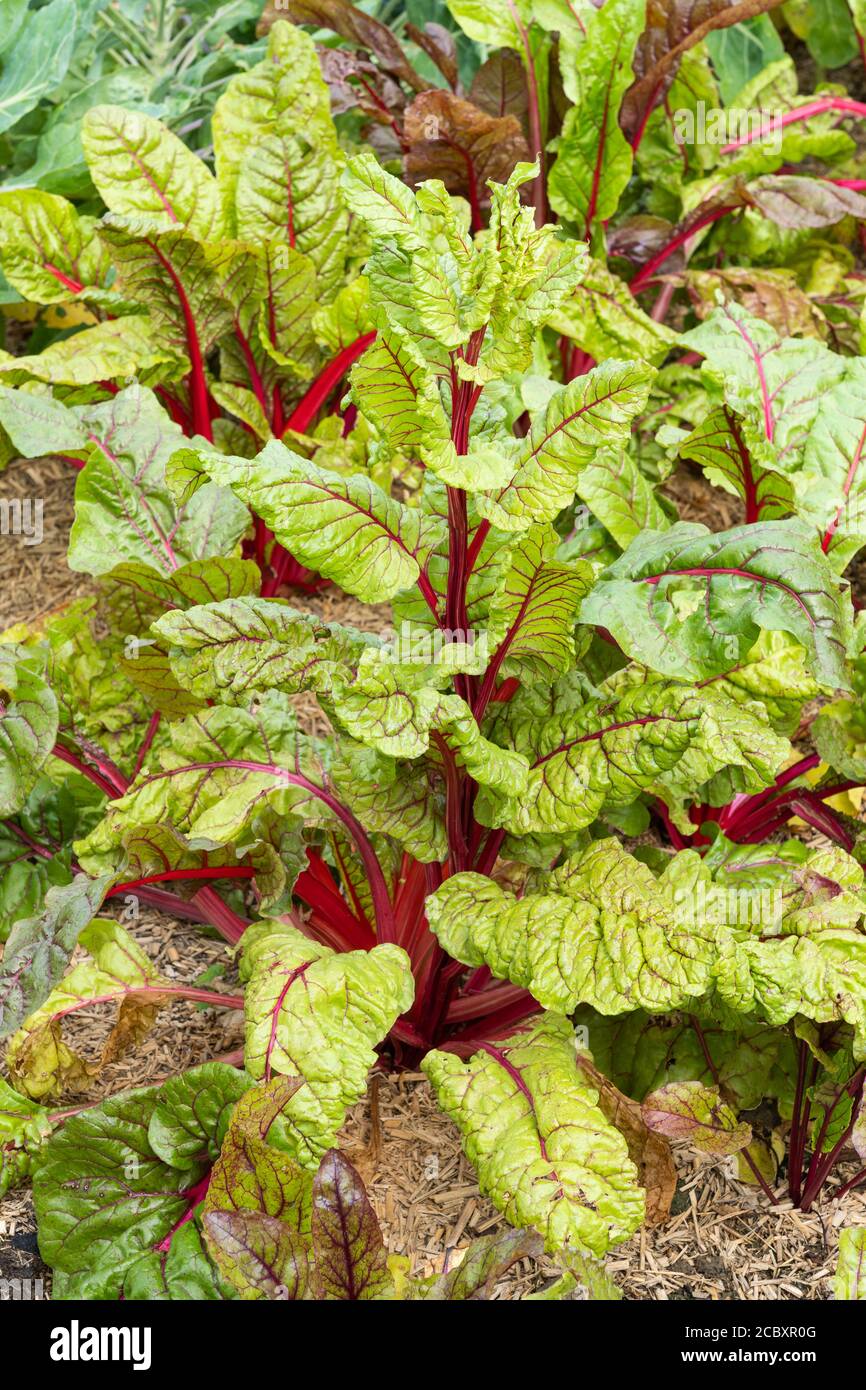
pixel 456 874
pixel 61 58
pixel 193 1190
pixel 228 294
pixel 436 881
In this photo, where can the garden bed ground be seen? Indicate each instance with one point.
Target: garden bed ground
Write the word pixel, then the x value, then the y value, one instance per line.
pixel 722 1241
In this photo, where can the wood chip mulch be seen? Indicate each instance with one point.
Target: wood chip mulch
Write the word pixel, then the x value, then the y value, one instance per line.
pixel 35 579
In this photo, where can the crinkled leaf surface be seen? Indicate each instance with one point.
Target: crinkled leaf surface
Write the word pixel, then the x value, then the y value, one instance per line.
pixel 346 528
pixel 545 1154
pixel 313 1013
pixel 28 724
pixel 602 934
pixel 690 603
pixel 103 1198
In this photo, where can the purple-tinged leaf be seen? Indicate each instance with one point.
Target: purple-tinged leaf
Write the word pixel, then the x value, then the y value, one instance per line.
pixel 259 1256
pixel 349 1254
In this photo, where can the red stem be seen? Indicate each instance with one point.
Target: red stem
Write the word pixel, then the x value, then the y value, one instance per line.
pixel 219 915
pixel 314 398
pixel 857 1179
pixel 536 140
pixel 328 903
pixel 646 273
pixel 201 419
pixel 253 372
pixel 386 925
pixel 107 777
pixel 149 736
pixel 72 285
pixel 171 875
pixel 675 836
pixel 179 415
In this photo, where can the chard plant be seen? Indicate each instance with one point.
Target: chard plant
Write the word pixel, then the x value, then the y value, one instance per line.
pixel 444 879
pixel 691 174
pixel 61 58
pixel 230 294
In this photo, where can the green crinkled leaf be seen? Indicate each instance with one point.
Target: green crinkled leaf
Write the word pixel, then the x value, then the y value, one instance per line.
pixel 394 388
pixel 606 751
pixel 193 1112
pixel 718 445
pixel 382 709
pixel 253 1174
pixel 386 206
pixel 183 1273
pixel 603 318
pixel 123 508
pixel 620 496
pixel 38 424
pixel 38 949
pixel 45 246
pixel 594 158
pixel 112 350
pixel 346 528
pixel 773 672
pixel 285 96
pixel 690 603
pixel 532 614
pixel 289 181
pixel 590 412
pixel 223 768
pixel 316 1014
pixel 642 1052
pixel 602 933
pixel 581 1272
pixel 135 588
pixel 24 1126
pixel 225 650
pixel 103 1198
pixel 830 486
pixel 839 735
pixel 405 801
pixel 690 1110
pixel 28 724
pixel 820 977
pixel 545 1154
pixel 772 382
pixel 178 278
pixel 26 877
pixel 141 168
